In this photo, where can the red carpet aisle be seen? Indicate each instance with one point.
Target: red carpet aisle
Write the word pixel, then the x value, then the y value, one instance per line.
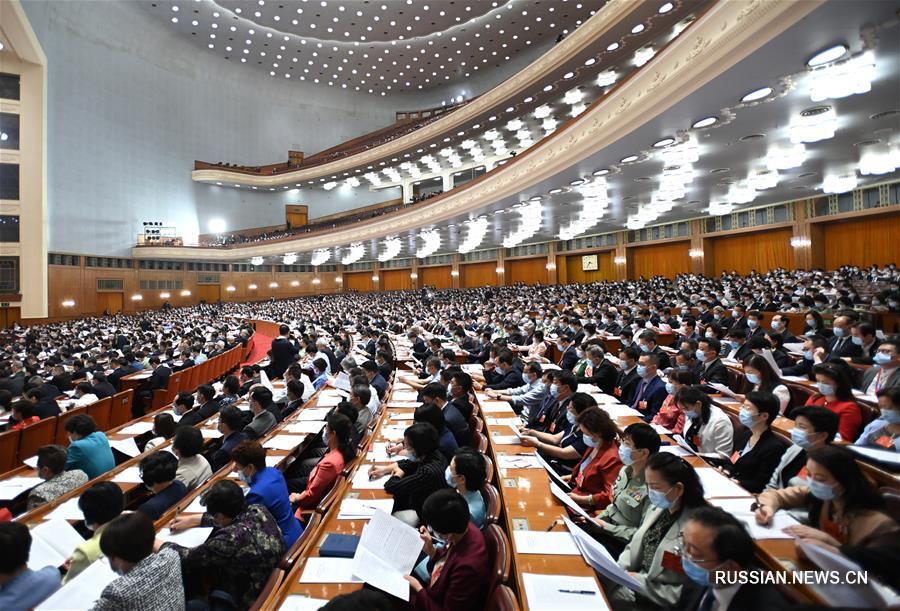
pixel 261 345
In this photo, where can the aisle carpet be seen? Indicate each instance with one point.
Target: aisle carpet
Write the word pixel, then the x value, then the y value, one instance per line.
pixel 261 345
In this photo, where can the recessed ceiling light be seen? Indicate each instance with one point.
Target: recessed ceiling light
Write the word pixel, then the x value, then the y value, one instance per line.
pixel 719 170
pixel 590 61
pixel 638 28
pixel 664 142
pixel 815 110
pixel 750 137
pixel 548 87
pixel 882 115
pixel 602 172
pixel 665 8
pixel 576 182
pixel 629 159
pixel 555 191
pixel 757 95
pixel 705 122
pixel 612 47
pixel 827 56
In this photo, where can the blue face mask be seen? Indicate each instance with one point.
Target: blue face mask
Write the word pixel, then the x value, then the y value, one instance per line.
pixel 857 340
pixel 658 499
pixel 746 417
pixel 825 389
pixel 701 356
pixel 642 370
pixel 589 441
pixel 821 491
pixel 448 477
pixel 752 323
pixel 808 355
pixel 525 379
pixel 554 390
pixel 881 358
pixel 695 573
pixel 838 331
pixel 800 438
pixel 625 342
pixel 691 415
pixel 734 344
pixel 811 323
pixel 891 416
pixel 625 455
pixel 670 388
pixel 411 456
pixel 645 348
pixel 570 417
pixel 753 378
pixel 776 326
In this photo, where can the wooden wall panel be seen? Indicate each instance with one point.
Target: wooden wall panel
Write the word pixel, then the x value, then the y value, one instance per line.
pixel 110 302
pixel 667 259
pixel 210 293
pixel 438 276
pixel 358 281
pixel 756 250
pixel 395 280
pixel 569 270
pixel 478 274
pixel 873 240
pixel 527 271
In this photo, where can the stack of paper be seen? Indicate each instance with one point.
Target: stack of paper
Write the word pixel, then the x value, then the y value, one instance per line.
pixel 191 537
pixel 310 427
pixel 52 543
pixel 355 509
pixel 740 508
pixel 210 433
pixel 328 400
pixel 137 428
pixel 313 413
pixel 328 570
pixel 600 559
pixel 129 475
pixel 67 511
pixel 14 486
pixel 82 591
pixel 716 485
pixel 297 602
pixel 387 552
pixel 562 593
pixel 518 461
pixel 283 442
pixel 541 542
pixel 361 480
pixel 126 446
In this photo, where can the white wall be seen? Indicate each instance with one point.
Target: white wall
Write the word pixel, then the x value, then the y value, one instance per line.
pixel 131 106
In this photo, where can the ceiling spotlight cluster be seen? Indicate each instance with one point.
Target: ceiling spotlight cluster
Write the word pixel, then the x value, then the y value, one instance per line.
pixel 594 203
pixel 355 252
pixel 432 243
pixel 392 247
pixel 530 216
pixel 320 256
pixel 476 229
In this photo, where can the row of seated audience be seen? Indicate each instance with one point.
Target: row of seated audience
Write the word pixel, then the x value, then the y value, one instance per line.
pixel 646 504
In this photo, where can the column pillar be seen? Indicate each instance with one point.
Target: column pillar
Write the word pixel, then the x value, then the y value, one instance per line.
pixel 454 270
pixel 697 253
pixel 376 275
pixel 406 190
pixel 414 273
pixel 552 275
pixel 446 181
pixel 808 253
pixel 621 260
pixel 500 270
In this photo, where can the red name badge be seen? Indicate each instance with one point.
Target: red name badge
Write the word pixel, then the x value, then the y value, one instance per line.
pixel 642 406
pixel 617 391
pixel 672 562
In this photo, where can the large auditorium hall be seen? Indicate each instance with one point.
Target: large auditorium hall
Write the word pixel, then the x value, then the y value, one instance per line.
pixel 449 305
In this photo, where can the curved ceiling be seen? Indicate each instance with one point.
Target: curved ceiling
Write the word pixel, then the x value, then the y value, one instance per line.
pixel 372 46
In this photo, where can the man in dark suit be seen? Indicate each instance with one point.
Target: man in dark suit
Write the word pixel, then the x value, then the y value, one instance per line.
pixel 651 390
pixel 754 324
pixel 43 398
pixel 183 405
pixel 376 380
pixel 206 397
pixel 102 387
pixel 231 421
pixel 568 354
pixel 706 316
pixel 711 531
pixel 780 324
pixel 738 318
pixel 712 369
pixel 505 375
pixel 282 353
pixel 159 379
pixel 737 339
pixel 647 342
pixel 864 337
pixel 61 379
pixel 627 381
pixel 123 369
pixel 841 344
pixel 456 421
pixel 599 371
pixel 14 383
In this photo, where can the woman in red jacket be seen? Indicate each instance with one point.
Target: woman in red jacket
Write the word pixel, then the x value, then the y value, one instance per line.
pixel 338 431
pixel 593 477
pixel 836 395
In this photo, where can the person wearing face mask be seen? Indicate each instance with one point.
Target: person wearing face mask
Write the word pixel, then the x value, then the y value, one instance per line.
pixel 231 421
pixel 674 488
pixel 147 580
pixel 834 393
pixel 592 478
pixel 781 324
pixel 598 371
pixel 413 479
pixel 717 543
pixel 754 323
pixel 236 560
pixel 841 345
pixel 506 375
pixel 193 468
pixel 844 508
pixel 813 354
pixel 526 397
pixel 337 435
pixel 564 447
pixel 759 373
pixel 712 369
pixel 708 428
pixel 647 343
pixel 863 335
pixel 99 504
pixel 814 427
pixel 757 449
pixel 158 473
pixel 626 338
pixel 670 415
pixel 651 390
pixel 537 348
pixel 884 431
pixel 738 348
pixel 815 325
pixel 583 360
pixel 568 355
pixel 458 559
pixel 886 372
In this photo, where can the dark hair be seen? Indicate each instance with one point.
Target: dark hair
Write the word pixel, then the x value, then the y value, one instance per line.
pixel 463 380
pixel 766 403
pixel 231 417
pixel 648 336
pixel 186 399
pixel 470 464
pixel 838 373
pixel 581 401
pixel 26 408
pixel 295 387
pixel 232 385
pixel 434 390
pixel 320 364
pixel 432 414
pixel 343 430
pixel 158 467
pixel 81 424
pixel 423 438
pixel 446 512
pixel 676 470
pixel 690 395
pixel 370 366
pixel 732 541
pixel 129 537
pixel 225 497
pixel 188 441
pixel 371 600
pixel 84 387
pixel 652 358
pixel 567 378
pixel 347 409
pixel 102 502
pixel 362 393
pixel 823 419
pixel 247 370
pixel 208 392
pixel 249 453
pixel 262 395
pixel 53 457
pixel 596 421
pixel 164 425
pixel 153 360
pixel 15 541
pixel 283 330
pixel 858 493
pixel 892 393
pixel 643 437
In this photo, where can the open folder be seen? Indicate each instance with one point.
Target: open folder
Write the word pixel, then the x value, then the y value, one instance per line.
pixel 387 551
pixel 600 559
pixel 52 542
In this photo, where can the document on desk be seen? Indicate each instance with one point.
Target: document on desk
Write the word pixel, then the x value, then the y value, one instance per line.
pixel 496 407
pixel 506 440
pixel 196 506
pixel 355 509
pixel 361 480
pixel 716 485
pixel 518 461
pixel 328 570
pixel 600 559
pixel 676 450
pixel 190 537
pixel 721 388
pixel 552 473
pixel 740 508
pixel 540 542
pixel 403 416
pixel 617 410
pixel 52 543
pixel 562 593
pixel 284 442
pixel 682 442
pixel 661 429
pixel 296 602
pixel 567 500
pixel 137 428
pixel 126 446
pixel 67 511
pixel 393 433
pixel 208 433
pixel 82 591
pixel 328 400
pixel 129 475
pixel 31 462
pixel 387 551
pixel 310 427
pixel 505 421
pixel 877 454
pixel 13 487
pixel 313 413
pixel 342 381
pixel 410 396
